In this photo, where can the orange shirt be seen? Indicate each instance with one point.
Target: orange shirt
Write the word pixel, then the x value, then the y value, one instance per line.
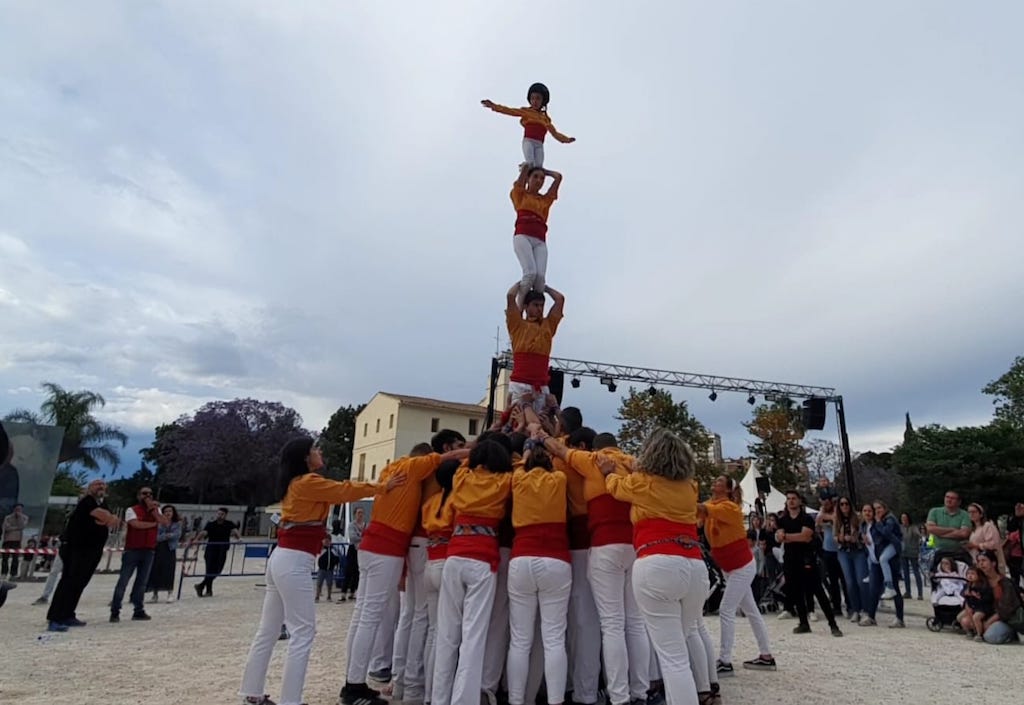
pixel 480 501
pixel 727 534
pixel 531 346
pixel 608 519
pixel 579 533
pixel 395 515
pixel 662 510
pixel 536 123
pixel 538 497
pixel 437 525
pixel 539 204
pixel 308 501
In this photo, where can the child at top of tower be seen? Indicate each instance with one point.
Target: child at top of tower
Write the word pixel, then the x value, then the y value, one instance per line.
pixel 531 231
pixel 535 121
pixel 532 334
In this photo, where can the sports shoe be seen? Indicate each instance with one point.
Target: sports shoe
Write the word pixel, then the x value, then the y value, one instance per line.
pixel 888 593
pixel 74 622
pixel 360 694
pixel 813 616
pixel 907 596
pixel 115 617
pixel 855 617
pixel 761 663
pixel 724 669
pixel 656 697
pixel 41 601
pixel 284 634
pixel 141 616
pixel 56 627
pixel 265 700
pixel 381 676
pixel 836 631
pixel 7 584
pixel 866 621
pixel 784 614
pixel 199 589
pixel 897 624
pixel 802 629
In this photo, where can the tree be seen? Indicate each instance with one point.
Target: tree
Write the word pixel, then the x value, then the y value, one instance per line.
pixel 1008 391
pixel 778 430
pixel 228 451
pixel 123 492
pixel 337 440
pixel 876 479
pixel 643 411
pixel 87 441
pixel 67 483
pixel 823 458
pixel 984 463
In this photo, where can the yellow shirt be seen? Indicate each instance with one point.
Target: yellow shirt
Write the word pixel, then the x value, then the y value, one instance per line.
pixel 573 485
pixel 399 508
pixel 434 524
pixel 535 122
pixel 584 464
pixel 538 497
pixel 655 497
pixel 531 336
pixel 537 203
pixel 481 493
pixel 724 523
pixel 310 496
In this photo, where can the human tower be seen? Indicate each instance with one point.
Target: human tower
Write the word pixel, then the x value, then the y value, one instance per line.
pixel 538 556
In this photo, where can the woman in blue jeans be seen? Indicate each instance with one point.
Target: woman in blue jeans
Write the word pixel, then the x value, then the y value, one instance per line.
pixel 883 565
pixel 911 555
pixel 853 559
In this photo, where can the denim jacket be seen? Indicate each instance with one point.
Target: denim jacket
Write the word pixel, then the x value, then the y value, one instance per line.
pixel 886 533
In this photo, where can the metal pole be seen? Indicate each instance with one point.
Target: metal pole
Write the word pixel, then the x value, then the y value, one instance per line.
pixel 489 418
pixel 845 442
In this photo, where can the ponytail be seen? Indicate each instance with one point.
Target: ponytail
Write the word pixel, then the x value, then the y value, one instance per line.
pixel 735 492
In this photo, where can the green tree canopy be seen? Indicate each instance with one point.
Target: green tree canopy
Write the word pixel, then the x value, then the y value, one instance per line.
pixel 337 440
pixel 778 431
pixel 1008 391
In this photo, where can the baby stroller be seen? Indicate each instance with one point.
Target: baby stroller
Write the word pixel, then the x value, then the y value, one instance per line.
pixel 716 582
pixel 774 595
pixel 947 597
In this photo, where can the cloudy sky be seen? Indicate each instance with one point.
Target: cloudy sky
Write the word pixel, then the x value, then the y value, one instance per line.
pixel 304 201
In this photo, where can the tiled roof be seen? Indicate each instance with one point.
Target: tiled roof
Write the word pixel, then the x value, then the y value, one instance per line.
pixel 439 404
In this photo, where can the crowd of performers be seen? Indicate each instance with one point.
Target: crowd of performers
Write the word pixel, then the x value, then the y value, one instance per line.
pixel 539 555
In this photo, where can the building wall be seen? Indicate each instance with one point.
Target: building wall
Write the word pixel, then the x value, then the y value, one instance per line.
pixel 418 425
pixel 376 431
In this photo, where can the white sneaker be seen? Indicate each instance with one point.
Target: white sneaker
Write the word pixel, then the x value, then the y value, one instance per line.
pixel 785 615
pixel 813 616
pixel 855 617
pixel 489 697
pixel 888 594
pixel 897 624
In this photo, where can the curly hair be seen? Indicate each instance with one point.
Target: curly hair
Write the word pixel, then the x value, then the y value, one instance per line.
pixel 666 454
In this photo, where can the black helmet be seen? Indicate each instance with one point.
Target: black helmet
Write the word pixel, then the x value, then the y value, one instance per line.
pixel 539 88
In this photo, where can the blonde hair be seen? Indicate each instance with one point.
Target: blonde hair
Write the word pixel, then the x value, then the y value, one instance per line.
pixel 666 454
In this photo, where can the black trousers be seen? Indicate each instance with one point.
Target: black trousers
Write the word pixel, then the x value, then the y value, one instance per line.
pixel 216 557
pixel 351 583
pixel 834 581
pixel 79 566
pixel 9 560
pixel 802 586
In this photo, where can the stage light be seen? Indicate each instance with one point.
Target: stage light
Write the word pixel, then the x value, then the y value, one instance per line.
pixel 608 382
pixel 713 396
pixel 652 391
pixel 575 382
pixel 751 400
pixel 612 387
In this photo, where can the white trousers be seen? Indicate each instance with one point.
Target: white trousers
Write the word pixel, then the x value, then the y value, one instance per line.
pixel 517 390
pixel 463 611
pixel 670 591
pixel 533 258
pixel 432 582
pixel 627 649
pixel 584 632
pixel 289 601
pixel 384 643
pixel 497 627
pixel 738 593
pixel 543 584
pixel 533 152
pixel 702 655
pixel 56 568
pixel 378 587
pixel 411 637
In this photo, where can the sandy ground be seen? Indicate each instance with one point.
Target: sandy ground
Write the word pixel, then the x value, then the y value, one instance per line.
pixel 193 651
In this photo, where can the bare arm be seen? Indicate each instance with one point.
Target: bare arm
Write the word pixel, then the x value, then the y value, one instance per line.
pixel 553 189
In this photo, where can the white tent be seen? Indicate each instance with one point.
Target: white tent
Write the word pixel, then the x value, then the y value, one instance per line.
pixel 774 501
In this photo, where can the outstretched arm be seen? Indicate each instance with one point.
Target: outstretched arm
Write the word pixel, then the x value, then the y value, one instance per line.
pixel 553 189
pixel 503 109
pixel 564 139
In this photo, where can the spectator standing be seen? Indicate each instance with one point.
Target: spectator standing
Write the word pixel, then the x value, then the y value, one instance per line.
pixel 883 539
pixel 218 533
pixel 326 564
pixel 56 569
pixel 984 535
pixel 911 555
pixel 81 548
pixel 950 526
pixel 1014 547
pixel 825 524
pixel 853 558
pixel 143 520
pixel 165 560
pixel 13 531
pixel 355 535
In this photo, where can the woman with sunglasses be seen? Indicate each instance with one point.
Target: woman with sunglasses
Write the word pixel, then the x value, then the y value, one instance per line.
pixel 853 559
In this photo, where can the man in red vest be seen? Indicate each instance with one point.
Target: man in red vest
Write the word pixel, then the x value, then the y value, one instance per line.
pixel 139 548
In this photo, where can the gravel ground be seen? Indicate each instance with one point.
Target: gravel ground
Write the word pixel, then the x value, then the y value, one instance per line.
pixel 193 651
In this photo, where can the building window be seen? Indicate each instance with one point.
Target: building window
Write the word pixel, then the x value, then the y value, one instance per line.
pixel 366 428
pixel 362 466
pixel 435 425
pixel 378 426
pixel 391 422
pixel 472 426
pixel 373 472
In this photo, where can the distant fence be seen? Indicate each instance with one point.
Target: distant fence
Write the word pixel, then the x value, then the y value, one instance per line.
pixel 244 559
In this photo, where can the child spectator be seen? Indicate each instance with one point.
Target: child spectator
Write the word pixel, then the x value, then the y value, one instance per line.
pixel 979 604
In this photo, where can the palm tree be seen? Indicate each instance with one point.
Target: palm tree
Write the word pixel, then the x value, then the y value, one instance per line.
pixel 87 442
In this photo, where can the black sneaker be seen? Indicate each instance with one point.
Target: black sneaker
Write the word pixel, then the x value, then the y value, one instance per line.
pixel 381 676
pixel 74 622
pixel 141 617
pixel 360 694
pixel 199 589
pixel 725 669
pixel 802 629
pixel 761 663
pixel 836 631
pixel 265 700
pixel 115 617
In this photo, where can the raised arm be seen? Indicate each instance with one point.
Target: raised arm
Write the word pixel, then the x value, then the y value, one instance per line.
pixel 524 174
pixel 503 109
pixel 553 189
pixel 511 304
pixel 558 307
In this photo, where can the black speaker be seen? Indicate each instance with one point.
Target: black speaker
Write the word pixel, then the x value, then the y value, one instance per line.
pixel 814 414
pixel 556 384
pixel 764 485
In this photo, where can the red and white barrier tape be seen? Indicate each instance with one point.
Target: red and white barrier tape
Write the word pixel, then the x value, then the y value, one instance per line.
pixel 43 551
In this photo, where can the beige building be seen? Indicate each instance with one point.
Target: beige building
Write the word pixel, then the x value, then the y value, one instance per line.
pixel 714 449
pixel 391 424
